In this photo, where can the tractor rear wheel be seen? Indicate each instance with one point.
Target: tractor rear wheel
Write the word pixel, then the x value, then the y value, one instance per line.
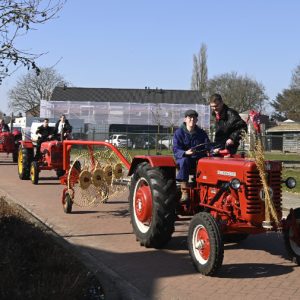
pixel 34 172
pixel 291 236
pixel 25 157
pixel 67 203
pixel 152 205
pixel 205 244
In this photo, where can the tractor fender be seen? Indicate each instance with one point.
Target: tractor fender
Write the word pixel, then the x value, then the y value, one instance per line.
pixel 154 161
pixel 26 144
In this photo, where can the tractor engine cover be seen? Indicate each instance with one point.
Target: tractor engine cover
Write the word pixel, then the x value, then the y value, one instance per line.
pixel 250 197
pixel 53 154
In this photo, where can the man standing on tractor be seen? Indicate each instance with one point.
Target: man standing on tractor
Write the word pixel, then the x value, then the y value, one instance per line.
pixel 44 133
pixel 63 128
pixel 189 144
pixel 229 125
pixel 3 126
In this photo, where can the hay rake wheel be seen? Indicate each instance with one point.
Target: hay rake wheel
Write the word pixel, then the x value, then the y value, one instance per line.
pixel 92 178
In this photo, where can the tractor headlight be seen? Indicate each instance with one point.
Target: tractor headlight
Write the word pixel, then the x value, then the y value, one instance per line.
pixel 290 182
pixel 235 183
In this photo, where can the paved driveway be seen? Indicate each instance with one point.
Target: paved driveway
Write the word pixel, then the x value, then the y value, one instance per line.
pixel 256 269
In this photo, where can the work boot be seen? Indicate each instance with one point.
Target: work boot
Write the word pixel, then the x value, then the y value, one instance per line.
pixel 185 197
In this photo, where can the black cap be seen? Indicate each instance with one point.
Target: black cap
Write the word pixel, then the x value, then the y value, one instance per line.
pixel 190 112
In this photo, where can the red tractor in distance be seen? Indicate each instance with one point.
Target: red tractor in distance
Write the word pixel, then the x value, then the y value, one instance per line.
pixel 50 159
pixel 227 201
pixel 9 142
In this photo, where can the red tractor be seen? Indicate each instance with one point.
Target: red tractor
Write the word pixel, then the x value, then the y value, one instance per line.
pixel 50 159
pixel 9 141
pixel 227 203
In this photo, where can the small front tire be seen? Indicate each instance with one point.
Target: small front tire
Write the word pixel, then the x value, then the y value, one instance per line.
pixel 25 157
pixel 205 244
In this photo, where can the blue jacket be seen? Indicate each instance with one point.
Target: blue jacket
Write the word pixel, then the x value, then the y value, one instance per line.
pixel 184 140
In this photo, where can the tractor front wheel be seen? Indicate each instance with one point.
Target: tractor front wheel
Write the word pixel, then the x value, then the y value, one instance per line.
pixel 67 203
pixel 34 172
pixel 152 205
pixel 291 235
pixel 205 244
pixel 25 156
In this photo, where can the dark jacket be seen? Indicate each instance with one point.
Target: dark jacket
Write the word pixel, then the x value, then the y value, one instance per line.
pixel 67 127
pixel 229 126
pixel 4 128
pixel 44 131
pixel 184 140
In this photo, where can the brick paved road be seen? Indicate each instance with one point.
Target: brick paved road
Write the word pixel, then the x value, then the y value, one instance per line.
pixel 256 269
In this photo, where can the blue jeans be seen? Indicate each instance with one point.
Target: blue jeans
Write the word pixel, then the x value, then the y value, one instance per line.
pixel 186 164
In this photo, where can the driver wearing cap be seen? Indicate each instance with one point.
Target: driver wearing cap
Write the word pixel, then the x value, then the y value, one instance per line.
pixel 187 149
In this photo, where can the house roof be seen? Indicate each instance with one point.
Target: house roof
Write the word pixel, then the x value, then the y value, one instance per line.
pixel 285 127
pixel 127 95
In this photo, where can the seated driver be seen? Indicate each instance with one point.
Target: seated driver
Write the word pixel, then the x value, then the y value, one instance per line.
pixel 189 144
pixel 44 133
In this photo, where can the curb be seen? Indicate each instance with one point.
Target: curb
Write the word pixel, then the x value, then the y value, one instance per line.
pixel 114 286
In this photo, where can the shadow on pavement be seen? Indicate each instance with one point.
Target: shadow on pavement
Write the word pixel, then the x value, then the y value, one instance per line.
pixel 252 270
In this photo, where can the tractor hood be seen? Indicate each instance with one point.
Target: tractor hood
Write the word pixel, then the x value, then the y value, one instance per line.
pixel 211 170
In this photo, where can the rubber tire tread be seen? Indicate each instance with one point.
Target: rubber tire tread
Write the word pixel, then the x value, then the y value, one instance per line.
pixel 27 159
pixel 217 255
pixel 163 189
pixel 68 204
pixel 294 257
pixel 35 165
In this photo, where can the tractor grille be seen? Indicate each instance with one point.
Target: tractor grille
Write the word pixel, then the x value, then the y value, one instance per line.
pixel 255 205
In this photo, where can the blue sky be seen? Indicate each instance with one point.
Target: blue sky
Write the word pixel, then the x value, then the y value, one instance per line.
pixel 138 43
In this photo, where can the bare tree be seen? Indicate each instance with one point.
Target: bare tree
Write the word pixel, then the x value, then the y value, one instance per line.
pixel 32 88
pixel 199 76
pixel 239 92
pixel 295 82
pixel 17 18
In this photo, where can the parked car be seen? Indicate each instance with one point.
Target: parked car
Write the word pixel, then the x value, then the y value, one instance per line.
pixel 120 140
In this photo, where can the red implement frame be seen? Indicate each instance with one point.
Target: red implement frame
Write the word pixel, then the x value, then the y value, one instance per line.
pixel 67 144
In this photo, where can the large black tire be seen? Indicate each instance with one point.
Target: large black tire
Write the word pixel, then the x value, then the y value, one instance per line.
pixel 25 157
pixel 152 205
pixel 205 244
pixel 67 204
pixel 288 234
pixel 34 172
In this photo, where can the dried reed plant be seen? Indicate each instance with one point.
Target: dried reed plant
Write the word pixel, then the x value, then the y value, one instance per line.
pixel 259 157
pixel 256 152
